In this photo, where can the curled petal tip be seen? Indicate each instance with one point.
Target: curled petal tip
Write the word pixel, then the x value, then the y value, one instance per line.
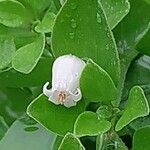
pixel 77 96
pixel 46 91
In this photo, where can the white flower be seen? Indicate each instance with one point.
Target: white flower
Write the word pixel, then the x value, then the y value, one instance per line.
pixel 66 74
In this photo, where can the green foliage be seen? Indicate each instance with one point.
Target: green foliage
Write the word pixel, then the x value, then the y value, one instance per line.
pixel 84 23
pixel 12 78
pixel 141 139
pixel 115 10
pixel 110 141
pixel 88 124
pixel 101 81
pixel 27 57
pixel 13 13
pixel 47 23
pixel 56 118
pixel 7 50
pixel 137 107
pixel 112 37
pixel 70 142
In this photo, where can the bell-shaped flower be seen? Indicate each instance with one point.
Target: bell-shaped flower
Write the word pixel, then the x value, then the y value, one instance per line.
pixel 66 74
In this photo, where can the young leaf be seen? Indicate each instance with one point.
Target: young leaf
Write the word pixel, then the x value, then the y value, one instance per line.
pixel 137 107
pixel 81 29
pixel 47 24
pixel 27 57
pixel 88 124
pixel 141 139
pixel 26 136
pixel 7 50
pixel 70 142
pixel 13 13
pixel 58 119
pixel 110 141
pixel 95 84
pixel 115 10
pixel 13 78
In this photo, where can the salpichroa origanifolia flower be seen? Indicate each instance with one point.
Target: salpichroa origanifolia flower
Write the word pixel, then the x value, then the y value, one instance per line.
pixel 66 74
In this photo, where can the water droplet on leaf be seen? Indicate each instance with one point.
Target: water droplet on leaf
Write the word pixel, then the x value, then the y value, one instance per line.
pixel 71 35
pixel 98 17
pixel 73 23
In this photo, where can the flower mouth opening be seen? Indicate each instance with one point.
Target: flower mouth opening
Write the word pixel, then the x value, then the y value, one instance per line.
pixel 62 97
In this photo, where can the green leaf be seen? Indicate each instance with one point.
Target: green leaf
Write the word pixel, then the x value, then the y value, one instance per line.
pixel 13 103
pixel 137 107
pixel 7 50
pixel 22 36
pixel 27 57
pixel 47 23
pixel 88 124
pixel 70 142
pixel 138 74
pixel 140 123
pixel 115 10
pixel 25 136
pixel 144 46
pixel 58 119
pixel 141 139
pixel 3 127
pixel 13 13
pixel 78 31
pixel 134 26
pixel 13 78
pixel 110 141
pixel 104 111
pixel 147 1
pixel 37 7
pixel 101 81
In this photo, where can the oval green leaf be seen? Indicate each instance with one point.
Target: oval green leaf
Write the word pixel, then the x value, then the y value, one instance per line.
pixel 82 30
pixel 88 124
pixel 13 13
pixel 96 84
pixel 27 57
pixel 58 119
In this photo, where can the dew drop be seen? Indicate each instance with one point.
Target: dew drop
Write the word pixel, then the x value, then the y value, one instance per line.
pixel 98 17
pixel 112 8
pixel 71 35
pixel 107 47
pixel 73 23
